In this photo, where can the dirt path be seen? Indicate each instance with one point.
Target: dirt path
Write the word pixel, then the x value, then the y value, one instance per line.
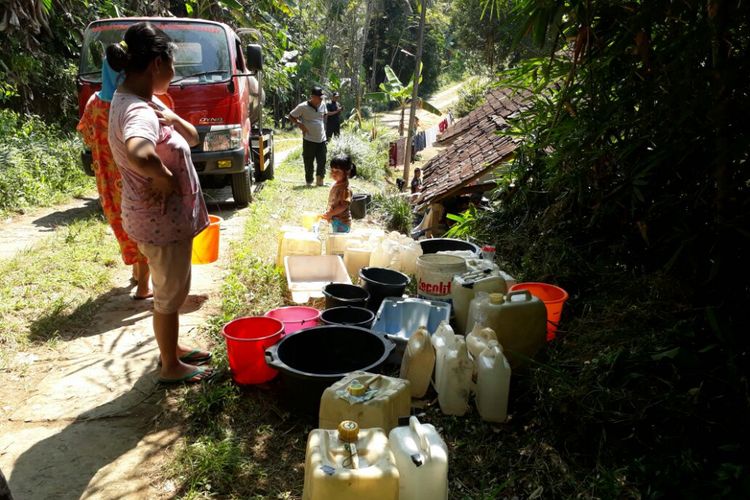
pixel 86 419
pixel 442 100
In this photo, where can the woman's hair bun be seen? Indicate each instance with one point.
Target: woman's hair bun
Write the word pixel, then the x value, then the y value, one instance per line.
pixel 117 57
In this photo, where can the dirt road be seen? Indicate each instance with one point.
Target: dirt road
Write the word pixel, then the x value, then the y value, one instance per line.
pixel 86 419
pixel 443 100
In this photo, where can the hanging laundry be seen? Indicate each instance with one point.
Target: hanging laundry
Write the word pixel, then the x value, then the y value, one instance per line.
pixel 392 154
pixel 400 150
pixel 443 125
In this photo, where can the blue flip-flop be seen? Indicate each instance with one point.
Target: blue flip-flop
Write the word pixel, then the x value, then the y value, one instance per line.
pixel 190 378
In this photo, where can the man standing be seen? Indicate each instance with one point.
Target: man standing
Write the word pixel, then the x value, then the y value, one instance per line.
pixel 333 122
pixel 309 116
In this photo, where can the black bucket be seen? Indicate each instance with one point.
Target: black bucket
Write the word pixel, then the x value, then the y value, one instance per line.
pixel 359 205
pixel 311 360
pixel 349 316
pixel 435 245
pixel 342 294
pixel 382 283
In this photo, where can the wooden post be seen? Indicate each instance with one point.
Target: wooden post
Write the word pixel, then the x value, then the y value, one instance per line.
pixel 414 94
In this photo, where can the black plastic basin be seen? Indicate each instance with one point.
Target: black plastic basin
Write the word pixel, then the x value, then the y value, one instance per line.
pixel 348 315
pixel 311 360
pixel 381 283
pixel 435 245
pixel 342 294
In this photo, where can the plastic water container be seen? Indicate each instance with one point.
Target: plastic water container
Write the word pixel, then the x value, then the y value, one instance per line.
pixel 247 339
pixel 418 362
pixel 493 383
pixel 466 286
pixel 294 243
pixel 368 399
pixel 443 340
pixel 337 243
pixel 422 459
pixel 519 320
pixel 295 317
pixel 355 258
pixel 309 219
pixel 206 243
pixel 410 251
pixel 553 297
pixel 454 384
pixel 308 275
pixel 478 339
pixel 435 274
pixel 350 463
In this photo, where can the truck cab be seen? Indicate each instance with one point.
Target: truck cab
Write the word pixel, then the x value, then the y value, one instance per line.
pixel 216 88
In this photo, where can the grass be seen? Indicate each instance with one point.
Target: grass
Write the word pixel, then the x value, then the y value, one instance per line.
pixel 51 291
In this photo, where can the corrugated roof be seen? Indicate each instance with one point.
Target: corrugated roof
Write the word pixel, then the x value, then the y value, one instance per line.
pixel 478 148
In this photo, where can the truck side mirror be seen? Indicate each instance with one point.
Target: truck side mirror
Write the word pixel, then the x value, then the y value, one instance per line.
pixel 254 57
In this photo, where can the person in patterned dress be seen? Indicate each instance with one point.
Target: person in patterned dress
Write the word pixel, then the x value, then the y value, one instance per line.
pixel 93 127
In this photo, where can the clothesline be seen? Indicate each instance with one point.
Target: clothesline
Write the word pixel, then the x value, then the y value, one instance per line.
pixel 423 139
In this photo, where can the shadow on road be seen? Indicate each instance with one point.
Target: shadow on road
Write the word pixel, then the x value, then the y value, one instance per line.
pixel 63 465
pixel 64 217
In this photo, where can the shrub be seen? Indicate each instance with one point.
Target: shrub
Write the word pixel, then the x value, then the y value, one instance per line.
pixel 396 210
pixel 368 155
pixel 39 164
pixel 470 97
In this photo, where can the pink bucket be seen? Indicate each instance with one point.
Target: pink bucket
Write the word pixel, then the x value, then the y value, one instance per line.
pixel 295 317
pixel 553 297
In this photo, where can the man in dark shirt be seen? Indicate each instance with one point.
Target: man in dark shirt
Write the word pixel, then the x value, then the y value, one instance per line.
pixel 333 120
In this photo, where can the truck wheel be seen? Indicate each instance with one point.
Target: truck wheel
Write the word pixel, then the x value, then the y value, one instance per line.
pixel 241 188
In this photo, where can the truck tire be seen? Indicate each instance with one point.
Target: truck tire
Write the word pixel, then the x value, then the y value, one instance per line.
pixel 241 188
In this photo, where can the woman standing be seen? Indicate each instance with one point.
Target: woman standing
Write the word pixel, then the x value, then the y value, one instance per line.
pixel 162 202
pixel 93 126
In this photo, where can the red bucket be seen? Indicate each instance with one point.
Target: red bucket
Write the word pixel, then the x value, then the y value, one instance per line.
pixel 295 317
pixel 247 340
pixel 553 297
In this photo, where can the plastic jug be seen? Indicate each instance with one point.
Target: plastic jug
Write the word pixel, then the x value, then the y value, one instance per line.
pixel 349 463
pixel 368 399
pixel 309 219
pixel 478 339
pixel 410 252
pixel 443 340
pixel 422 460
pixel 519 320
pixel 418 362
pixel 355 258
pixel 466 286
pixel 454 384
pixel 298 243
pixel 493 383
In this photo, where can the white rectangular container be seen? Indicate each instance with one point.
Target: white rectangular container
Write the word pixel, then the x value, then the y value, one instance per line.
pixel 307 275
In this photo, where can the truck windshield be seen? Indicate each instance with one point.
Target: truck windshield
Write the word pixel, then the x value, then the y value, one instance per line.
pixel 201 50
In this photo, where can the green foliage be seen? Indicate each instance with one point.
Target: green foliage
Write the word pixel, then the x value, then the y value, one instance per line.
pixel 367 154
pixel 208 464
pixel 470 97
pixel 39 164
pixel 395 210
pixel 464 225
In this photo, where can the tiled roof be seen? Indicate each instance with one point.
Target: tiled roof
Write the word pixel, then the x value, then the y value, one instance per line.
pixel 479 149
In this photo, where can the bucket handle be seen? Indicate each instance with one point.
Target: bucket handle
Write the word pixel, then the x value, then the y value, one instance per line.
pixel 390 345
pixel 272 359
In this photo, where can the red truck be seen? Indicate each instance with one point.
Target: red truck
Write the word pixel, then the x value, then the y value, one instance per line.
pixel 216 88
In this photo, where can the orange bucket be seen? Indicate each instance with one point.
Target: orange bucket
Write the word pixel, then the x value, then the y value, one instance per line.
pixel 553 297
pixel 206 243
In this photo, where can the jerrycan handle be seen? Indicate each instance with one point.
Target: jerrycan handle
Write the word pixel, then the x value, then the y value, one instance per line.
pixel 417 429
pixel 516 293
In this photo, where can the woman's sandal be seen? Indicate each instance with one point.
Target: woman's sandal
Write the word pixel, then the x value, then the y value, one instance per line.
pixel 194 357
pixel 196 376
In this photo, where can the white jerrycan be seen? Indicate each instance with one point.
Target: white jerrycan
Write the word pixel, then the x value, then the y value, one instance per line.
pixel 349 463
pixel 478 339
pixel 443 340
pixel 493 383
pixel 418 362
pixel 454 384
pixel 422 461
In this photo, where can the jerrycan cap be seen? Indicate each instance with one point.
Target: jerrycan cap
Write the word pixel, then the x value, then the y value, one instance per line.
pixel 348 431
pixel 497 298
pixel 356 388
